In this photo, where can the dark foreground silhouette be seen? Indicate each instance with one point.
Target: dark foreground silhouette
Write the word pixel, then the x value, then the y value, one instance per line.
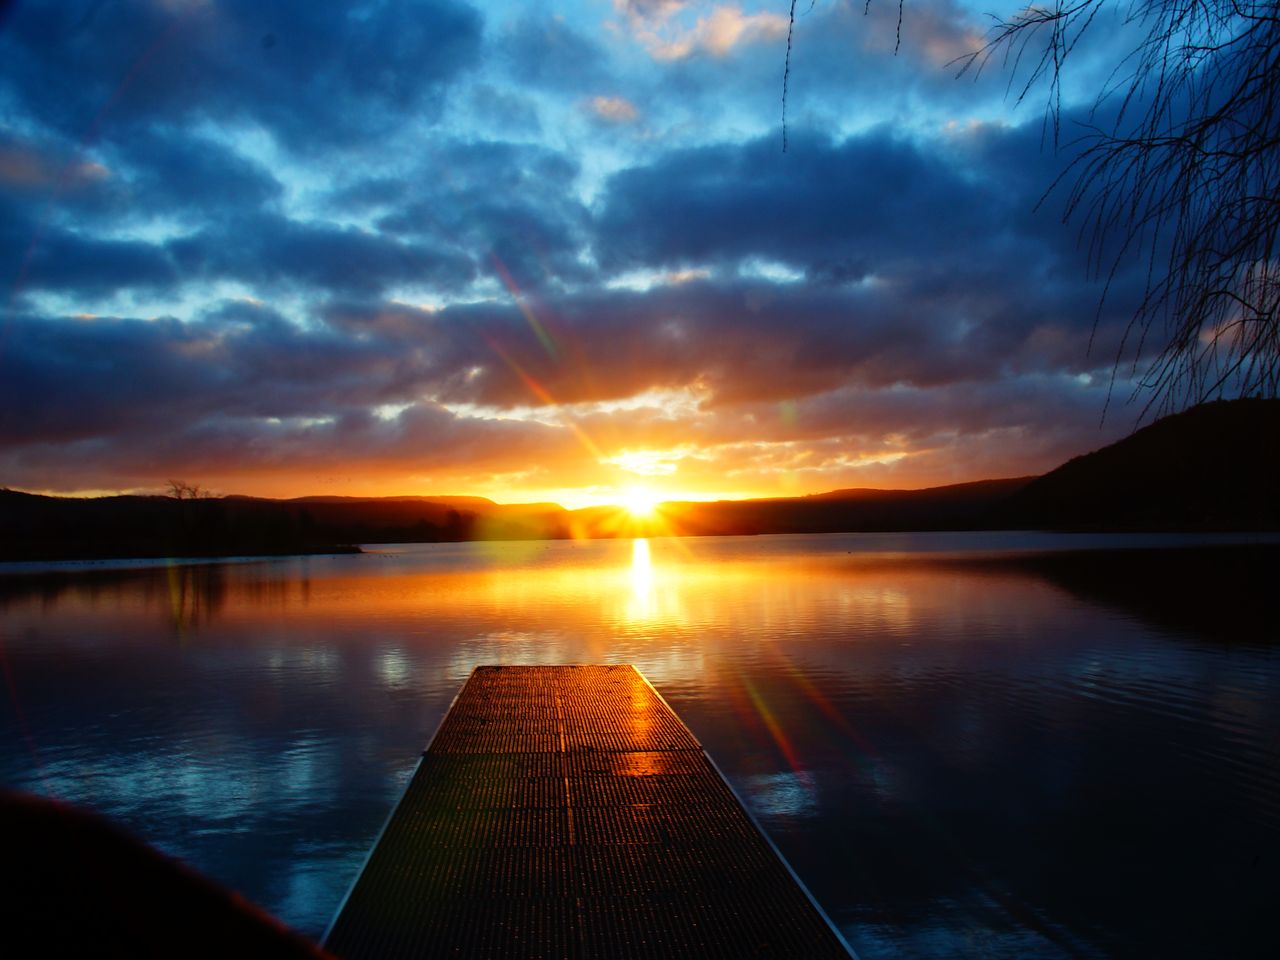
pixel 76 886
pixel 1213 467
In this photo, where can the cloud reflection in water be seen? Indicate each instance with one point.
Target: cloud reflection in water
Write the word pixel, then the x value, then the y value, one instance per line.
pixel 923 732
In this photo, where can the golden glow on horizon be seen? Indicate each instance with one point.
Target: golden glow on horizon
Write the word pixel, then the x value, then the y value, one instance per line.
pixel 640 502
pixel 570 498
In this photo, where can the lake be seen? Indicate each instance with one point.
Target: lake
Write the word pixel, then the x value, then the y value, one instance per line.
pixel 996 745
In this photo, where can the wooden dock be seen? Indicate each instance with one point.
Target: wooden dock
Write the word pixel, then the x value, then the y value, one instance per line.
pixel 567 812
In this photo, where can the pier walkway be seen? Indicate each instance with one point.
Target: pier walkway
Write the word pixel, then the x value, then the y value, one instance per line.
pixel 567 812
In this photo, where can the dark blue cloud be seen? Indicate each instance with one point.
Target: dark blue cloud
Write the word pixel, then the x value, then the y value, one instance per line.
pixel 491 199
pixel 172 172
pixel 273 252
pixel 507 110
pixel 239 388
pixel 735 341
pixel 156 172
pixel 544 51
pixel 70 379
pixel 126 91
pixel 838 210
pixel 311 73
pixel 60 238
pixel 43 255
pixel 961 219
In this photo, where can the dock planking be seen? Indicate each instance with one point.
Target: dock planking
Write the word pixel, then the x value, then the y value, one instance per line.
pixel 567 812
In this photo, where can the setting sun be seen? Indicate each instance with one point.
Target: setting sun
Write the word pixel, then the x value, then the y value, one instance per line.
pixel 639 502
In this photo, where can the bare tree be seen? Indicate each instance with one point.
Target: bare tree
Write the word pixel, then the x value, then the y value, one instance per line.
pixel 1178 169
pixel 181 490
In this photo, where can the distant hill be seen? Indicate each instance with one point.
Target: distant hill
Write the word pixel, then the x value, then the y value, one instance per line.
pixel 34 527
pixel 961 506
pixel 482 503
pixel 1213 467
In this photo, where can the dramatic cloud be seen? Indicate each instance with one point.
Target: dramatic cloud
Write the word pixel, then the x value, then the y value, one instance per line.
pixel 309 73
pixel 434 247
pixel 269 252
pixel 41 255
pixel 822 207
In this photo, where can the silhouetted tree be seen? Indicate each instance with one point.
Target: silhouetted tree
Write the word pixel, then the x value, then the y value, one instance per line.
pixel 191 534
pixel 1178 167
pixel 181 490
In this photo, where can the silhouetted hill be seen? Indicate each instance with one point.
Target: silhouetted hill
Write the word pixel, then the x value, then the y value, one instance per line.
pixel 1213 467
pixel 472 502
pixel 962 506
pixel 977 491
pixel 34 527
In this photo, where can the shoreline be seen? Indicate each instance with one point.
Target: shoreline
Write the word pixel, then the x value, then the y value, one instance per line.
pixel 1142 540
pixel 83 564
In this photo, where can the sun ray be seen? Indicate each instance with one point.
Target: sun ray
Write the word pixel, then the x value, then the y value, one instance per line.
pixel 640 502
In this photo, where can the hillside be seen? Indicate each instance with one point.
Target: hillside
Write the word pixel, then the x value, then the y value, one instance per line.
pixel 1213 467
pixel 962 506
pixel 34 527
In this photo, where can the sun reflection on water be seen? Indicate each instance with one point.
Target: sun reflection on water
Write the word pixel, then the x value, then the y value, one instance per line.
pixel 642 604
pixel 260 719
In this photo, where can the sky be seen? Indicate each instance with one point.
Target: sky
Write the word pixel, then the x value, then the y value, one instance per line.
pixel 539 251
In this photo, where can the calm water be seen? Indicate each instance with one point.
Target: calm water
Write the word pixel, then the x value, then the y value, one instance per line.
pixel 966 745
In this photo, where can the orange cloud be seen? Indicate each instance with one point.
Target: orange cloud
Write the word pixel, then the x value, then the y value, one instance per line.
pixel 614 109
pixel 662 33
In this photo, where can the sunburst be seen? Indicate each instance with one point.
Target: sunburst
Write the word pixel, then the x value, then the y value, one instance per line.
pixel 640 502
